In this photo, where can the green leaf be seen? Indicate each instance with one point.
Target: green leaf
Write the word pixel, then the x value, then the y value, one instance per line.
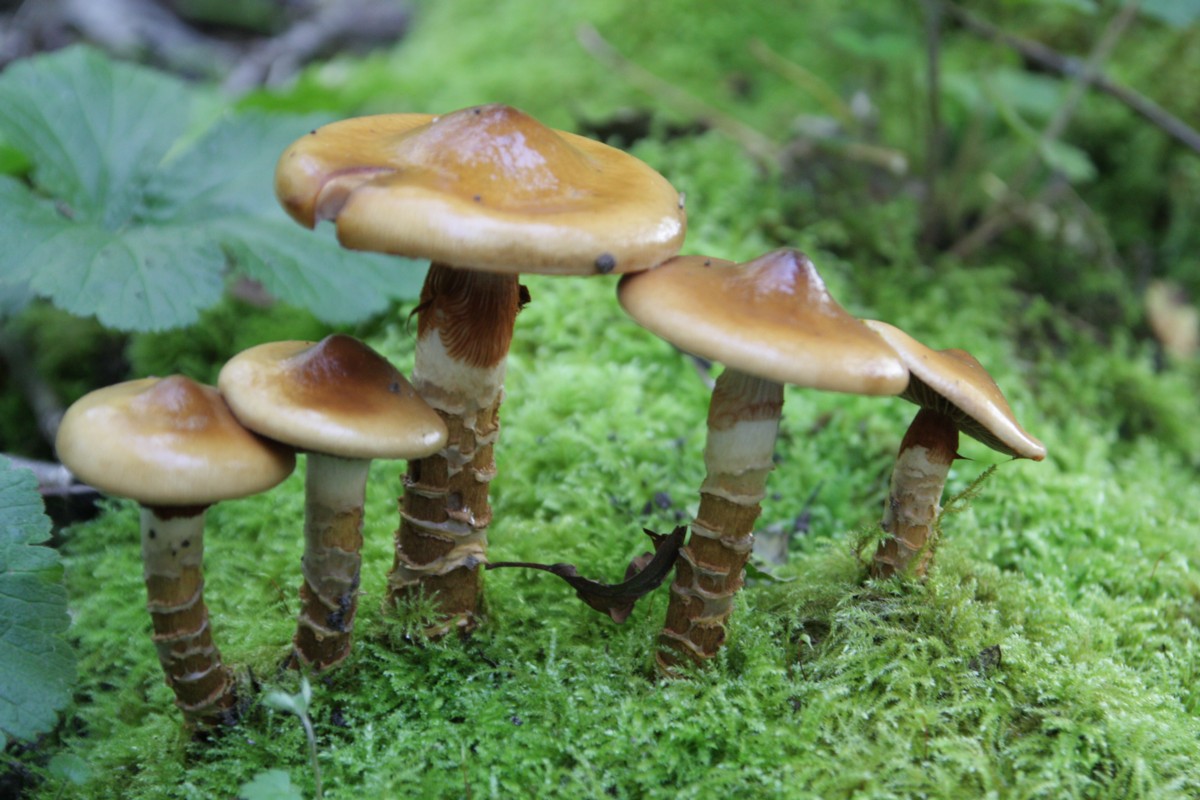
pixel 143 278
pixel 271 784
pixel 92 128
pixel 349 286
pixel 70 768
pixel 1073 163
pixel 130 220
pixel 37 668
pixel 1176 13
pixel 228 170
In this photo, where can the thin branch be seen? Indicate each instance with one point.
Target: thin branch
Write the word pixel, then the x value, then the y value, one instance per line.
pixel 53 478
pixel 335 26
pixel 997 218
pixel 934 135
pixel 1072 67
pixel 760 147
pixel 806 81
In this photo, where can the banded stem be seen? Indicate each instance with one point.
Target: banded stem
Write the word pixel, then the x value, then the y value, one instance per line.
pixel 743 422
pixel 333 521
pixel 465 325
pixel 914 501
pixel 173 569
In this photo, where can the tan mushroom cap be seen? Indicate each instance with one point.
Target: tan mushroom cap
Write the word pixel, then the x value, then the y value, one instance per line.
pixel 336 396
pixel 771 317
pixel 954 383
pixel 487 187
pixel 167 442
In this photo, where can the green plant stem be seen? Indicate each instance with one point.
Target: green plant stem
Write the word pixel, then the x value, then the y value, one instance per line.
pixel 318 792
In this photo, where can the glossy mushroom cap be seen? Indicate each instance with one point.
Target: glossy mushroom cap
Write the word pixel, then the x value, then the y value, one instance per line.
pixel 954 383
pixel 337 396
pixel 487 187
pixel 771 317
pixel 167 442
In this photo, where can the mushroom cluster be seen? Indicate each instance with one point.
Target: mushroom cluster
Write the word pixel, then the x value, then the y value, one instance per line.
pixel 485 194
pixel 770 321
pixel 177 447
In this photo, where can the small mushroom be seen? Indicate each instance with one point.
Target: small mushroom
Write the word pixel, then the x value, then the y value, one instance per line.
pixel 486 193
pixel 955 394
pixel 770 321
pixel 172 445
pixel 344 405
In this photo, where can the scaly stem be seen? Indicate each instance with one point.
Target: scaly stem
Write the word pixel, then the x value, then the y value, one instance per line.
pixel 914 502
pixel 333 520
pixel 172 558
pixel 465 324
pixel 743 421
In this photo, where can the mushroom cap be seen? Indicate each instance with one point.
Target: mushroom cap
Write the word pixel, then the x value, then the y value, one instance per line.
pixel 771 317
pixel 954 383
pixel 487 187
pixel 336 396
pixel 167 442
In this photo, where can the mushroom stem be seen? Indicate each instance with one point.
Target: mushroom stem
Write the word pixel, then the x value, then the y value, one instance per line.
pixel 743 421
pixel 465 324
pixel 172 558
pixel 914 501
pixel 333 520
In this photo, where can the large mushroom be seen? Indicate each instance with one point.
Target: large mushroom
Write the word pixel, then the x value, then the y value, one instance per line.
pixel 344 405
pixel 955 394
pixel 771 322
pixel 485 193
pixel 172 445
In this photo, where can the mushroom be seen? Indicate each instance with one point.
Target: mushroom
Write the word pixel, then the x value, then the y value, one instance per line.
pixel 172 445
pixel 770 321
pixel 343 404
pixel 486 193
pixel 955 394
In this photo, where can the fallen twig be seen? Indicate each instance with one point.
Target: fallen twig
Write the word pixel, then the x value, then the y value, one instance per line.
pixel 645 574
pixel 1071 67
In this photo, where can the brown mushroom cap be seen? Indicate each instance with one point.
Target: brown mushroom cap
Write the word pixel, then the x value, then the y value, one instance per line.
pixel 337 396
pixel 771 317
pixel 954 383
pixel 487 187
pixel 167 442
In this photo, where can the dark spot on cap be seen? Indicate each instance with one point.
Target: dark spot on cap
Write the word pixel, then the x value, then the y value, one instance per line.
pixel 478 198
pixel 394 387
pixel 153 534
pixel 708 262
pixel 605 263
pixel 186 543
pixel 682 199
pixel 313 132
